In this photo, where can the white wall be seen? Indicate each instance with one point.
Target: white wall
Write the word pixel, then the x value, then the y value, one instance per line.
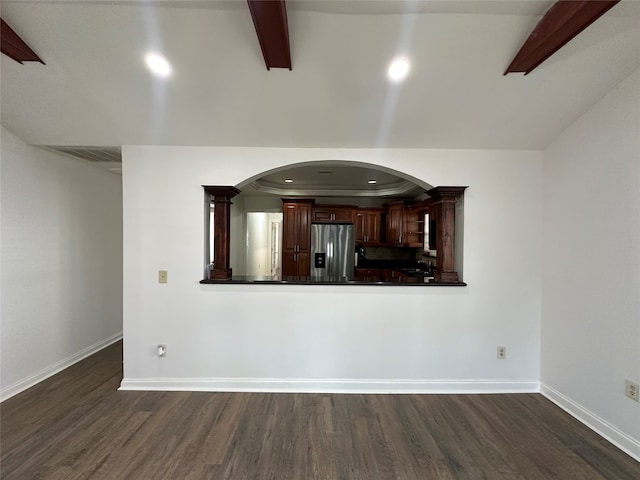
pixel 591 280
pixel 61 262
pixel 336 338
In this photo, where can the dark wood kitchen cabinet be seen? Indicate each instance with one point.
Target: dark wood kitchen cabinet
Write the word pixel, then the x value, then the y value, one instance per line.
pixel 405 225
pixel 296 238
pixel 395 216
pixel 368 274
pixel 413 227
pixel 333 213
pixel 369 226
pixel 296 264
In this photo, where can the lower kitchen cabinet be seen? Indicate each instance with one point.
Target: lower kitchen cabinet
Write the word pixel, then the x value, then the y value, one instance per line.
pixel 383 275
pixel 296 264
pixel 391 274
pixel 368 274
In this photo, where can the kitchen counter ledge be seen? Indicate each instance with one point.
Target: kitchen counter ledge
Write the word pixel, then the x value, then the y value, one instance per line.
pixel 402 281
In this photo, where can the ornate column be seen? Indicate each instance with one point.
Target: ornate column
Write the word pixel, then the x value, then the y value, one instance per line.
pixel 445 210
pixel 221 197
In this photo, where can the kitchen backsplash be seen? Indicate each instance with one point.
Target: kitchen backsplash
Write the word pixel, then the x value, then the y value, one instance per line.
pixel 393 253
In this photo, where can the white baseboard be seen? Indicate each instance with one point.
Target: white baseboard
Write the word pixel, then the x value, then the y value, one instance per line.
pixel 304 385
pixel 624 442
pixel 57 367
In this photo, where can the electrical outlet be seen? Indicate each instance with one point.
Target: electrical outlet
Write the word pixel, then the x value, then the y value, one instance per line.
pixel 631 390
pixel 162 276
pixel 162 350
pixel 502 353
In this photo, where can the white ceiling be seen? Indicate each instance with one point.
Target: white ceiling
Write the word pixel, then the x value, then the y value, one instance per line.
pixel 96 91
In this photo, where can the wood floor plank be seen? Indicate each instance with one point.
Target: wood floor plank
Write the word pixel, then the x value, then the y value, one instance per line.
pixel 217 444
pixel 78 426
pixel 322 454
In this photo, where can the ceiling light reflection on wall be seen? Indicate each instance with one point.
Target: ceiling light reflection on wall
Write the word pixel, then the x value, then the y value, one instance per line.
pixel 398 69
pixel 158 64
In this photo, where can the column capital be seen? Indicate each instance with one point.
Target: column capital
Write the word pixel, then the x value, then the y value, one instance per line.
pixel 221 191
pixel 446 193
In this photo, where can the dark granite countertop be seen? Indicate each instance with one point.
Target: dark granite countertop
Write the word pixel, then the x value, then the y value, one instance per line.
pixel 414 274
pixel 371 280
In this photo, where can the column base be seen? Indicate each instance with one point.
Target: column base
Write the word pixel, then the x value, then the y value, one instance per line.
pixel 220 274
pixel 446 277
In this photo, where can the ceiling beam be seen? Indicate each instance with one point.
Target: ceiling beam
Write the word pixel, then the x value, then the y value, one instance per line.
pixel 270 20
pixel 563 21
pixel 14 47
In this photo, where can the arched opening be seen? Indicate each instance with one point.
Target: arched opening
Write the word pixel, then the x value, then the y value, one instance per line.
pixel 389 214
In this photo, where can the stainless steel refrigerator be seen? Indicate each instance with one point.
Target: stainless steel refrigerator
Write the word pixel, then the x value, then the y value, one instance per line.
pixel 332 251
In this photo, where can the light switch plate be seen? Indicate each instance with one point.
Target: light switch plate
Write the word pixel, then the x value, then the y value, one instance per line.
pixel 632 390
pixel 162 276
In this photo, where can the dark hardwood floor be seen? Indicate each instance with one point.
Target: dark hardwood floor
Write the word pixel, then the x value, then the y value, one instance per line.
pixel 76 425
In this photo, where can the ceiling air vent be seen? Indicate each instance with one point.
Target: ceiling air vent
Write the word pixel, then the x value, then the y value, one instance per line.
pixel 90 154
pixel 109 158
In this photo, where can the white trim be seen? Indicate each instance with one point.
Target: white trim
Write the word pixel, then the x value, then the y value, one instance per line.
pixel 30 381
pixel 624 442
pixel 330 385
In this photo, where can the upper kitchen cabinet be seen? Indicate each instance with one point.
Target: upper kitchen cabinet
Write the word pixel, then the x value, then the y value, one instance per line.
pixel 369 226
pixel 296 238
pixel 334 213
pixel 395 217
pixel 405 225
pixel 413 227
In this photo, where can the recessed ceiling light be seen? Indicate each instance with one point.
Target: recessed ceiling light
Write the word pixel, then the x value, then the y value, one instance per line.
pixel 398 69
pixel 158 64
pixel 372 182
pixel 325 172
pixel 288 180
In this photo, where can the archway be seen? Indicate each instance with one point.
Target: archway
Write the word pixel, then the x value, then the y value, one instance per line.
pixel 331 189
